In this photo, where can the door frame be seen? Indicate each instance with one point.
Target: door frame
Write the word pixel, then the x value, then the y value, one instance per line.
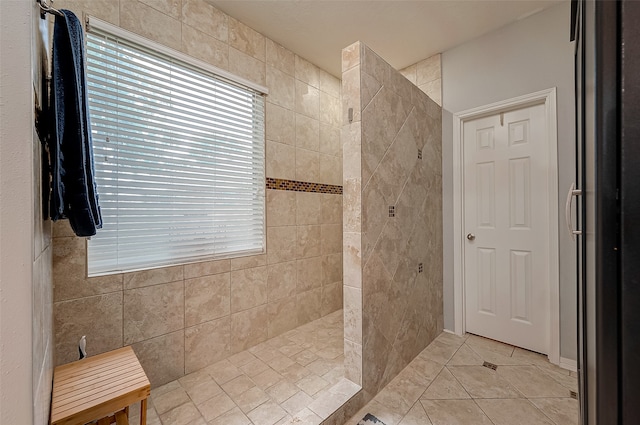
pixel 548 98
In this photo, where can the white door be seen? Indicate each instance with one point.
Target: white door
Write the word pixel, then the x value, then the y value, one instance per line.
pixel 506 225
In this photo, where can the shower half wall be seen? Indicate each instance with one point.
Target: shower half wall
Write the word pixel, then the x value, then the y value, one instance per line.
pixel 392 218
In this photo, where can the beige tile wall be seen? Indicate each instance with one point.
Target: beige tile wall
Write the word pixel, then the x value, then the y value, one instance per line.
pixel 182 318
pixel 393 265
pixel 427 75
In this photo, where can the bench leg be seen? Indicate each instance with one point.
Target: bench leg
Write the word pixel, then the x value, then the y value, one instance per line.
pixel 121 418
pixel 143 412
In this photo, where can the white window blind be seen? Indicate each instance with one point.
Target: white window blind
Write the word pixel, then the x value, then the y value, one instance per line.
pixel 179 159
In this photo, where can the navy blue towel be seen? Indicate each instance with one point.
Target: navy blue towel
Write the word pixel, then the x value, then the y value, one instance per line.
pixel 74 194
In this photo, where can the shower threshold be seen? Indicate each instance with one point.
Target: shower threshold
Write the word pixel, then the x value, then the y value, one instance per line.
pixel 294 378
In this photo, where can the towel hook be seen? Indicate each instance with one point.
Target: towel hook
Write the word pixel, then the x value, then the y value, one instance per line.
pixel 47 8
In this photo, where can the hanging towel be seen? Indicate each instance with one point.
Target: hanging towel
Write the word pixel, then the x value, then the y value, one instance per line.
pixel 73 193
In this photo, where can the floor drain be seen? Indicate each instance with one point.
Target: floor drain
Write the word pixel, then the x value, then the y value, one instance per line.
pixel 369 419
pixel 573 394
pixel 490 365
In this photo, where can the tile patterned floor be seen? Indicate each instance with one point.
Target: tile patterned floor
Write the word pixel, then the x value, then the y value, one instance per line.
pixel 296 378
pixel 447 384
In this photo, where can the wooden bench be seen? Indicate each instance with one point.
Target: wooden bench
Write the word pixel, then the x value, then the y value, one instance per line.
pixel 101 388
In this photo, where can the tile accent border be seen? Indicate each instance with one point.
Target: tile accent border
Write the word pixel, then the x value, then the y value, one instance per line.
pixel 298 186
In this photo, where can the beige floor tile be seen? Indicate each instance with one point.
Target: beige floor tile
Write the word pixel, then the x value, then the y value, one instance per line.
pixel 267 354
pixel 311 384
pixel 284 421
pixel 408 385
pixel 267 378
pixel 216 406
pixel 232 417
pixel 169 400
pixel 329 352
pixel 282 391
pixel 465 356
pixel 387 415
pixel 487 344
pixel 440 351
pixel 455 412
pixel 482 382
pixel 241 358
pixel 295 372
pixel 199 421
pixel 530 357
pixel 345 387
pixel 327 403
pixel 238 385
pixel 449 338
pixel 291 349
pixel 562 411
pixel 304 357
pixel 250 399
pixel 182 415
pixel 173 385
pixel 445 387
pixel 416 416
pixel 191 380
pixel 267 414
pixel 296 403
pixel 392 399
pixel 498 359
pixel 254 368
pixel 423 367
pixel 532 382
pixel 463 377
pixel 320 366
pixel 304 417
pixel 204 391
pixel 227 391
pixel 542 362
pixel 223 371
pixel 567 381
pixel 513 412
pixel 334 375
pixel 280 362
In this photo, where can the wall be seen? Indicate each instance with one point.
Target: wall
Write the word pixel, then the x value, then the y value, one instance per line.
pixel 26 332
pixel 42 308
pixel 527 56
pixel 392 219
pixel 180 319
pixel 427 75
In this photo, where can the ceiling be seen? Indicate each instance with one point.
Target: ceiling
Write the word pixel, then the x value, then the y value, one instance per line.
pixel 402 32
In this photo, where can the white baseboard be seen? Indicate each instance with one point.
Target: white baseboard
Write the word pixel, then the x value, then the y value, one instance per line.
pixel 568 364
pixel 449 332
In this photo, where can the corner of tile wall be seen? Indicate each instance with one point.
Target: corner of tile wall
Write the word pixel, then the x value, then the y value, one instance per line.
pixel 351 139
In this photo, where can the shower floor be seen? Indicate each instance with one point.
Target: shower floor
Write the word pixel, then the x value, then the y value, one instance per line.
pixel 294 378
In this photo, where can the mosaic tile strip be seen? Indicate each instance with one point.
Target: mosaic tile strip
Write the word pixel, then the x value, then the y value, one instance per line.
pixel 297 186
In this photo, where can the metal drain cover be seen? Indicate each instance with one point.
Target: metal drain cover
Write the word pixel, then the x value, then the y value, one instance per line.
pixel 490 365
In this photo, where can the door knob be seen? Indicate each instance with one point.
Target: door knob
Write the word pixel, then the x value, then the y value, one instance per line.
pixel 471 236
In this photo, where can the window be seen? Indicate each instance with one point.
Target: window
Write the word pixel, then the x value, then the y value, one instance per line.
pixel 179 156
